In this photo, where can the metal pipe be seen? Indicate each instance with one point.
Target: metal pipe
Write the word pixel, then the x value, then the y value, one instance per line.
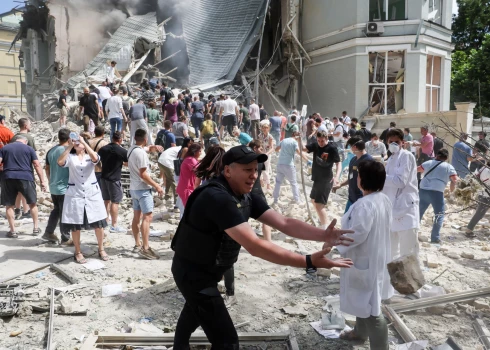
pixel 297 40
pixel 257 70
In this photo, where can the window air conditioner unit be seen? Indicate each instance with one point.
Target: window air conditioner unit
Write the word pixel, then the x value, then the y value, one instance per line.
pixel 374 28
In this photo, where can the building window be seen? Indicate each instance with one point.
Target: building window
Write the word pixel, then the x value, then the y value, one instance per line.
pixel 433 84
pixel 435 11
pixel 386 82
pixel 387 10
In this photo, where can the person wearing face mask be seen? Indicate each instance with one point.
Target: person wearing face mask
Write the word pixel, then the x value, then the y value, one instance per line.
pixel 401 188
pixel 358 148
pixel 376 148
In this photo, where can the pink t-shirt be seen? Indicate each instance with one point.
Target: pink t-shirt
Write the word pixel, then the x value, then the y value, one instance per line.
pixel 429 147
pixel 187 179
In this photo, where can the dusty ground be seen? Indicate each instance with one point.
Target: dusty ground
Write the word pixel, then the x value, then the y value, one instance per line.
pixel 262 288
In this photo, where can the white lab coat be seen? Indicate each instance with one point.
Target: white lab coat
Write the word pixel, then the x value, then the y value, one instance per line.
pixel 364 285
pixel 401 187
pixel 83 193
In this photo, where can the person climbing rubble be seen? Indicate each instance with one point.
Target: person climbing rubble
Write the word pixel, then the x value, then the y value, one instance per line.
pixel 89 105
pixel 208 241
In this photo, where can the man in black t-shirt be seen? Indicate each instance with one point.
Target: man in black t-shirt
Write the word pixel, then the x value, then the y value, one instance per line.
pixel 358 147
pixel 113 156
pixel 91 110
pixel 263 112
pixel 208 241
pixel 325 155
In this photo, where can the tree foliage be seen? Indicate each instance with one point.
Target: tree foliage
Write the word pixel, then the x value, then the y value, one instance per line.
pixel 471 58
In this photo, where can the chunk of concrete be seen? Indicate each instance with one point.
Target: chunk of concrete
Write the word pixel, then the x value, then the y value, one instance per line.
pixel 481 304
pixel 324 272
pixel 432 261
pixel 423 238
pixel 467 255
pixel 406 275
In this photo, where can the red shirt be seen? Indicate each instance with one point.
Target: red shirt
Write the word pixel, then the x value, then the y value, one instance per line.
pixel 5 135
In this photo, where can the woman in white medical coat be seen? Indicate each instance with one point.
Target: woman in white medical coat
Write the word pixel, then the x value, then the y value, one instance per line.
pixel 362 286
pixel 83 207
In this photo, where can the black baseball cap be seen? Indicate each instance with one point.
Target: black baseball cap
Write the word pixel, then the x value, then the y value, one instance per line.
pixel 242 155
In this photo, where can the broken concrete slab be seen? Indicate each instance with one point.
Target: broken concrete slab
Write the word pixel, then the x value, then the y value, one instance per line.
pixel 164 287
pixel 467 255
pixel 295 311
pixel 406 275
pixel 74 306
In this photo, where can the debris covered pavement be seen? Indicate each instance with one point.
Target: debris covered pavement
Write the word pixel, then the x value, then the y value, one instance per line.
pixel 128 294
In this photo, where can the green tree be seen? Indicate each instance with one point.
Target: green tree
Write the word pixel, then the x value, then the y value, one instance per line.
pixel 471 58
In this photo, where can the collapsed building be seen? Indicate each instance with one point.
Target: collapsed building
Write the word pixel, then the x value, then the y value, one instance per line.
pixel 377 57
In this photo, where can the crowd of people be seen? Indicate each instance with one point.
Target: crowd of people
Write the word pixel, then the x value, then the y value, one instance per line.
pixel 387 197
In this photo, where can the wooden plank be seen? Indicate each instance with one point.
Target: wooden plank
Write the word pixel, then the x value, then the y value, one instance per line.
pixel 440 299
pixel 89 343
pixel 64 273
pixel 51 321
pixel 293 342
pixel 483 332
pixel 399 325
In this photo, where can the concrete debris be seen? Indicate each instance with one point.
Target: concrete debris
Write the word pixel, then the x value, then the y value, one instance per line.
pixel 467 255
pixel 295 311
pixel 406 275
pixel 15 333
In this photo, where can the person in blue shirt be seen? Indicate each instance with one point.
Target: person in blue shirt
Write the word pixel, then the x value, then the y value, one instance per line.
pixel 462 155
pixel 243 137
pixel 358 147
pixel 437 173
pixel 285 165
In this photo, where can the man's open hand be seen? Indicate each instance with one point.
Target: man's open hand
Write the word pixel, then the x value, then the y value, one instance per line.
pixel 319 260
pixel 336 237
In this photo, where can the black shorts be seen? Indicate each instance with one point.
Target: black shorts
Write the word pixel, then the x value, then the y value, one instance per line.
pixel 12 187
pixel 111 191
pixel 228 120
pixel 321 190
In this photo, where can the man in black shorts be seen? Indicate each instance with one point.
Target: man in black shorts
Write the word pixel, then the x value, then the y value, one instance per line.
pixel 208 241
pixel 113 156
pixel 325 155
pixel 18 159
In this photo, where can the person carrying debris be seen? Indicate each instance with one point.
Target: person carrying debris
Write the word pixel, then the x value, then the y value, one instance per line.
pixel 58 183
pixel 141 184
pixel 90 106
pixel 437 173
pixel 401 188
pixel 364 285
pixel 208 241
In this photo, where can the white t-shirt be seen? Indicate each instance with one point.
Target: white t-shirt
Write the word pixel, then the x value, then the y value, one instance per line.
pixel 168 156
pixel 137 159
pixel 347 119
pixel 114 106
pixel 104 92
pixel 111 74
pixel 229 107
pixel 336 129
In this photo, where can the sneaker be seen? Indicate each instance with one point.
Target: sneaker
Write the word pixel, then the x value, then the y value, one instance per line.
pixel 11 234
pixel 117 229
pixel 148 254
pixel 136 249
pixel 68 243
pixel 437 241
pixel 17 214
pixel 51 237
pixel 230 300
pixel 26 215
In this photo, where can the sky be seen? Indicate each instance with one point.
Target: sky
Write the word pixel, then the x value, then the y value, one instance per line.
pixel 7 5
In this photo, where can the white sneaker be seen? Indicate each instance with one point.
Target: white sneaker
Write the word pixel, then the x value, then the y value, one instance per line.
pixel 230 300
pixel 117 229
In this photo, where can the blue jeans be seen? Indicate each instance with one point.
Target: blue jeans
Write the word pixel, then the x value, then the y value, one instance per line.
pixel 277 136
pixel 436 199
pixel 347 206
pixel 116 125
pixel 142 200
pixel 196 123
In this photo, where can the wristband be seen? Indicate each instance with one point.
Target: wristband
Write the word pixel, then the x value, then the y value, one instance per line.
pixel 309 264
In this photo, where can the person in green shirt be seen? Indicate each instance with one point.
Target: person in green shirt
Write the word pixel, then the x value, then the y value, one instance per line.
pixel 153 116
pixel 407 136
pixel 244 117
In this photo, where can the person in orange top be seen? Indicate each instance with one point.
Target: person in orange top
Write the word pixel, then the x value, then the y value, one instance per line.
pixel 5 133
pixel 283 126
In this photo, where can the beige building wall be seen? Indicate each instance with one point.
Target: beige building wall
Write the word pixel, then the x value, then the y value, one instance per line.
pixel 10 74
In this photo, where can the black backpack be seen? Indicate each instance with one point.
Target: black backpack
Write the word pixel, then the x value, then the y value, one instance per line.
pixel 161 138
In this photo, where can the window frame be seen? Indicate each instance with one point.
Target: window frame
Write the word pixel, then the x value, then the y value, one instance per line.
pixel 385 84
pixel 438 19
pixel 387 19
pixel 430 87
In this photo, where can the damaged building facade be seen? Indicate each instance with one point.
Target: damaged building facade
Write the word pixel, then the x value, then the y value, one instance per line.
pixel 375 57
